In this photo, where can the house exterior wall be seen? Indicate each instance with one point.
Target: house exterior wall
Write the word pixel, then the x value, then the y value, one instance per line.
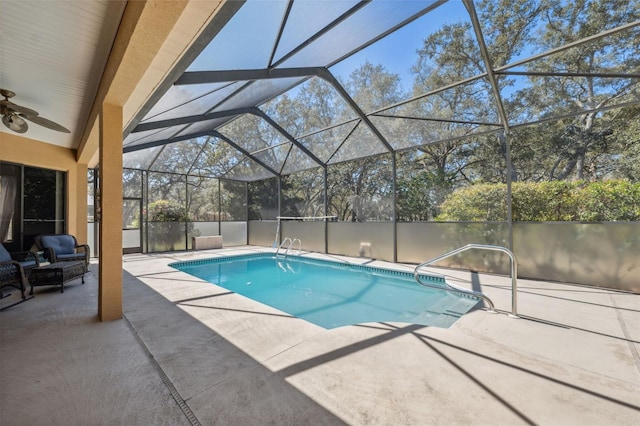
pixel 30 152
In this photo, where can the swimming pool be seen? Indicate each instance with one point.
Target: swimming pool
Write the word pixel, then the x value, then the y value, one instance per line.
pixel 332 294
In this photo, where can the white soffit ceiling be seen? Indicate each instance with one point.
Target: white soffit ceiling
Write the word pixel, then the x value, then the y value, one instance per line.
pixel 52 55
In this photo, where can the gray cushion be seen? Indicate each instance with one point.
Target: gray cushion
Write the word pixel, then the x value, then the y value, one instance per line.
pixel 28 263
pixel 4 254
pixel 61 244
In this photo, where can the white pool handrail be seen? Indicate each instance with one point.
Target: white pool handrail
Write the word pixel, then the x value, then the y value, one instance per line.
pixel 284 240
pixel 451 287
pixel 291 243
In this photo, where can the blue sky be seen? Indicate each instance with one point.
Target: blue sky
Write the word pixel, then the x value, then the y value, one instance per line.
pixel 398 51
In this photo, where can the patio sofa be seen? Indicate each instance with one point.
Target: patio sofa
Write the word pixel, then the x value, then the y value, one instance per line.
pixel 63 248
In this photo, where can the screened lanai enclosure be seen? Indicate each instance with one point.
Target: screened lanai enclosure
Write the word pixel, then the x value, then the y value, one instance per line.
pixel 412 127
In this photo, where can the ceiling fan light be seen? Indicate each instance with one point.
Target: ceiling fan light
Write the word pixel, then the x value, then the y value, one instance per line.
pixel 15 123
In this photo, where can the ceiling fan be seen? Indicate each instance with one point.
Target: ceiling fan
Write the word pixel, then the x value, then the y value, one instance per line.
pixel 14 115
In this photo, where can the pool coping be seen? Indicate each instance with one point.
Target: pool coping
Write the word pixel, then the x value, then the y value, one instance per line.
pixel 443 316
pixel 177 265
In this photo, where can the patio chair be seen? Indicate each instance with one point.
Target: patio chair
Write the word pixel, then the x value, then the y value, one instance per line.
pixel 15 269
pixel 63 248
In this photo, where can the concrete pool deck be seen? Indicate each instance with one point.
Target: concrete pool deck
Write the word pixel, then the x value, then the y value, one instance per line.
pixel 188 352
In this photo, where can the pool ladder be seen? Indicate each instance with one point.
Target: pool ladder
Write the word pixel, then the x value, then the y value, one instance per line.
pixel 291 243
pixel 459 290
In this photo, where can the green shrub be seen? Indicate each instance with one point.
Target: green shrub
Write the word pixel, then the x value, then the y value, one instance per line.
pixel 608 201
pixel 477 203
pixel 167 211
pixel 544 201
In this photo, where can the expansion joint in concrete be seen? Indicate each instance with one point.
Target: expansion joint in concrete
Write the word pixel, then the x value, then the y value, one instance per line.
pixel 163 376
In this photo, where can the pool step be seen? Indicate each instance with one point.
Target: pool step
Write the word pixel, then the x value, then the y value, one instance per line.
pixel 454 312
pixel 443 312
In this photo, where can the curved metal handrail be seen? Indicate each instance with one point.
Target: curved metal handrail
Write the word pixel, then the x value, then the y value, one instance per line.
pixel 291 245
pixel 282 244
pixel 451 287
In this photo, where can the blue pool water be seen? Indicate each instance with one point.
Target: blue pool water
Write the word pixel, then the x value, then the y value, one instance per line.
pixel 332 294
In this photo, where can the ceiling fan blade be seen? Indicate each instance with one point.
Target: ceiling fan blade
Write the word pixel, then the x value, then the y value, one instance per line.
pixel 15 123
pixel 46 123
pixel 18 108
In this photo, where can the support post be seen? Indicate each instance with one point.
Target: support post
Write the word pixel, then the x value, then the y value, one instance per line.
pixel 394 208
pixel 110 266
pixel 326 208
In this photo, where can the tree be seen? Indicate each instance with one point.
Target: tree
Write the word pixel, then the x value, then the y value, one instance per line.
pixel 627 133
pixel 203 198
pixel 589 146
pixel 334 134
pixel 303 193
pixel 233 203
pixel 372 87
pixel 263 199
pixel 450 153
pixel 360 190
pixel 570 81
